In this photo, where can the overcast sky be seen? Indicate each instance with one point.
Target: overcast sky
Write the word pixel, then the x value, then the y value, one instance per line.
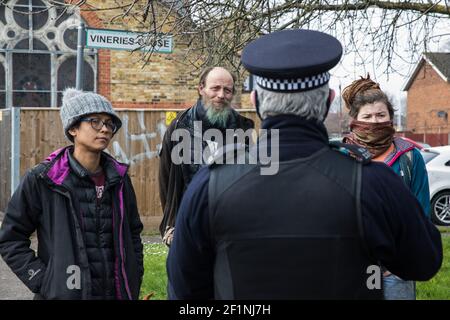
pixel 352 67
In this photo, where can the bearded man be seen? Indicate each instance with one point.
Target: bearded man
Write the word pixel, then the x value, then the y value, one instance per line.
pixel 213 110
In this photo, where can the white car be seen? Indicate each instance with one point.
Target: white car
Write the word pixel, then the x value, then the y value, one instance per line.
pixel 437 160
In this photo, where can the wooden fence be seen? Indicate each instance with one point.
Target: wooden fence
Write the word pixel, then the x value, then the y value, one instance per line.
pixel 137 144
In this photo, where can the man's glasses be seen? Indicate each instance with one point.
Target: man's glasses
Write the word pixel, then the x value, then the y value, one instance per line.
pixel 97 124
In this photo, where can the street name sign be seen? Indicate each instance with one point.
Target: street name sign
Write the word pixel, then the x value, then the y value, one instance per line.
pixel 126 40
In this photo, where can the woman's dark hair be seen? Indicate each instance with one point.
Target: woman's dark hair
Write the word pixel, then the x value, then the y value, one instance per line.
pixel 75 125
pixel 364 91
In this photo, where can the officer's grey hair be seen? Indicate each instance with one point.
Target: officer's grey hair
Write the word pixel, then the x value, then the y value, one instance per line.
pixel 310 104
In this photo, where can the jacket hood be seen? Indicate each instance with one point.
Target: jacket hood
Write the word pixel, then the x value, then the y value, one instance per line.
pixel 58 167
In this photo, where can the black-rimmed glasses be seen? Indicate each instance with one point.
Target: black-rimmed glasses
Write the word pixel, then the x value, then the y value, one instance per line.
pixel 97 124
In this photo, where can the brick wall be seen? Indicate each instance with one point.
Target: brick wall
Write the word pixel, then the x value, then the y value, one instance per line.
pixel 433 139
pixel 122 77
pixel 428 95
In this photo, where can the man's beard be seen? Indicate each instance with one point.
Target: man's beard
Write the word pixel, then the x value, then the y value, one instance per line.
pixel 218 117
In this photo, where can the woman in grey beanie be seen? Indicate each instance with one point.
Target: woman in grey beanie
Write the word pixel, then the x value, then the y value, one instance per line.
pixel 82 204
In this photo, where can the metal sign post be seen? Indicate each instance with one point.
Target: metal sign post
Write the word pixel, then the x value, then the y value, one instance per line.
pixel 15 148
pixel 80 56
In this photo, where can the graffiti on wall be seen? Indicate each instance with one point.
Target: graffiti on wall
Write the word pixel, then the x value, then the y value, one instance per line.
pixel 126 152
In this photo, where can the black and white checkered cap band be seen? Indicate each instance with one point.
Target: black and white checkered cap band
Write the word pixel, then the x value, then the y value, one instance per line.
pixel 293 85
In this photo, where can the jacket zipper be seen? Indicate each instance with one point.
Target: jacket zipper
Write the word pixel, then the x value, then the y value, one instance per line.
pixel 121 247
pixel 97 223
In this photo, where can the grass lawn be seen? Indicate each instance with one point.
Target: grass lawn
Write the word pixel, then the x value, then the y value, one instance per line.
pixel 155 278
pixel 438 288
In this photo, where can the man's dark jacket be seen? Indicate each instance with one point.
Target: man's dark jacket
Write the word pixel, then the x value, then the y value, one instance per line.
pixel 174 179
pixel 46 202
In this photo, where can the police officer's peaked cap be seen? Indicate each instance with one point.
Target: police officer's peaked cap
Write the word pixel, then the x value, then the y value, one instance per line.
pixel 292 60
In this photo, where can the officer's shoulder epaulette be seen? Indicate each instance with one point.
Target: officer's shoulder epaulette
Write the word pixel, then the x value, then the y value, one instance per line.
pixel 361 154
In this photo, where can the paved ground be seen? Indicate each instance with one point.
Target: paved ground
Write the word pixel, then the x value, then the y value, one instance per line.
pixel 11 288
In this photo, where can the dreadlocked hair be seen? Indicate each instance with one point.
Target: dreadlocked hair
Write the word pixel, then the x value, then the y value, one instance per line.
pixel 364 91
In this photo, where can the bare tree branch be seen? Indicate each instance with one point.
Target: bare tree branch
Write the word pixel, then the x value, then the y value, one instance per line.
pixel 214 32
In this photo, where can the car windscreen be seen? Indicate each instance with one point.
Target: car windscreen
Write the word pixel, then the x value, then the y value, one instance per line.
pixel 428 155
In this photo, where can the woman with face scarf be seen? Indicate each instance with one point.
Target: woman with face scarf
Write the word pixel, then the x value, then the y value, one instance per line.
pixel 372 128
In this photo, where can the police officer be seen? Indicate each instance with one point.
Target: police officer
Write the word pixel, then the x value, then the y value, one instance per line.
pixel 319 228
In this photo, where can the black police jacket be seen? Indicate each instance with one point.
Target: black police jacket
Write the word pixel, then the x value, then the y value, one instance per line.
pixel 396 232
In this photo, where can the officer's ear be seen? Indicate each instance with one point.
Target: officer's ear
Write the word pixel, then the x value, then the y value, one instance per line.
pixel 331 96
pixel 253 98
pixel 255 102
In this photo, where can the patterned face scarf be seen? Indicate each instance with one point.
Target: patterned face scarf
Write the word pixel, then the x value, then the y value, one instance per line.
pixel 375 137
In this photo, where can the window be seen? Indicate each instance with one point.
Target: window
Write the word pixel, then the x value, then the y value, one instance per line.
pixel 67 76
pixel 38 53
pixel 34 21
pixel 31 78
pixel 428 155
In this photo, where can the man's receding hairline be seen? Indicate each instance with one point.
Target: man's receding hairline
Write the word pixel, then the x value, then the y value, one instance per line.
pixel 218 68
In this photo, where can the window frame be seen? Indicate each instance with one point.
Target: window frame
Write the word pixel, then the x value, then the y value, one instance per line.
pixel 56 48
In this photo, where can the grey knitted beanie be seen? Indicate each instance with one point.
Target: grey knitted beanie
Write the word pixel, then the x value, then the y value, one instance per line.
pixel 77 104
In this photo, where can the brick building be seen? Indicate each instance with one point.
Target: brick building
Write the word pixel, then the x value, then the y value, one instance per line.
pixel 38 58
pixel 428 99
